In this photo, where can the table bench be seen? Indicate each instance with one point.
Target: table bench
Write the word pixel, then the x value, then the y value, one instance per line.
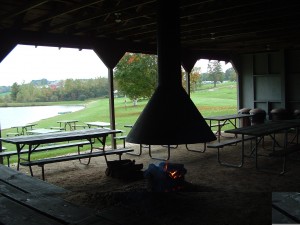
pixel 123 138
pixel 57 128
pixel 79 126
pixel 231 141
pixel 285 152
pixel 12 134
pixel 79 144
pixel 42 162
pixel 270 129
pixel 217 125
pixel 223 120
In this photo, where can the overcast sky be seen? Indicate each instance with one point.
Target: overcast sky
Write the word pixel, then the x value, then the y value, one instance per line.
pixel 26 63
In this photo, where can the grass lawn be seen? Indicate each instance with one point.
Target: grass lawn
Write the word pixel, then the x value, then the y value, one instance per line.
pixel 210 101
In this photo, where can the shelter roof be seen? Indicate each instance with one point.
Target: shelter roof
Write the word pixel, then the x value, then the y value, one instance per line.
pixel 208 27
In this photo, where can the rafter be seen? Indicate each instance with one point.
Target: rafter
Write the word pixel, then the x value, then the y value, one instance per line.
pixel 217 25
pixel 62 12
pixel 23 9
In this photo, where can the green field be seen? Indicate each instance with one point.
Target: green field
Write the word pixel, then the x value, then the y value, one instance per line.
pixel 210 101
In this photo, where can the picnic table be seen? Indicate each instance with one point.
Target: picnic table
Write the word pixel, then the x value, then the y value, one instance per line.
pixel 98 124
pixel 24 128
pixel 285 208
pixel 29 201
pixel 259 131
pixel 67 123
pixel 224 120
pixel 34 141
pixel 42 131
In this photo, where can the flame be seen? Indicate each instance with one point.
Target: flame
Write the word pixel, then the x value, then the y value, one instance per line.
pixel 174 174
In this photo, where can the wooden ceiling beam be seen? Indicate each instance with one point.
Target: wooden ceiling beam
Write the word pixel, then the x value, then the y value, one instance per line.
pixel 120 28
pixel 62 12
pixel 23 9
pixel 103 14
pixel 239 19
pixel 257 33
pixel 208 11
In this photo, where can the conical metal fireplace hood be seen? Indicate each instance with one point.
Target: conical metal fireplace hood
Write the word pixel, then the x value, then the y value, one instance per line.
pixel 170 117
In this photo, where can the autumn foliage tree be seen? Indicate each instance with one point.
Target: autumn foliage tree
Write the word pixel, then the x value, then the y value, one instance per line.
pixel 194 78
pixel 136 75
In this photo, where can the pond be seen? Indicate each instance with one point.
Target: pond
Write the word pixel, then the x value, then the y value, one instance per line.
pixel 13 116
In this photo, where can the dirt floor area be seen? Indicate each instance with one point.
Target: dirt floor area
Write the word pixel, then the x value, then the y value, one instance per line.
pixel 213 194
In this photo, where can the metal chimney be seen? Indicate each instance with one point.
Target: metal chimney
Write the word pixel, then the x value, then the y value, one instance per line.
pixel 170 117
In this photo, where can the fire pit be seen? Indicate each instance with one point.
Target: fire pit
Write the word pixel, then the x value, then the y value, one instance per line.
pixel 166 177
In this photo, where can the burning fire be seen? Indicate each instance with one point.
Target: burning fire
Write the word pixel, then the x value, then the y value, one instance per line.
pixel 174 174
pixel 166 176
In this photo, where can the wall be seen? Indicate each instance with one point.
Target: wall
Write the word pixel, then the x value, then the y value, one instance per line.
pixel 293 79
pixel 270 80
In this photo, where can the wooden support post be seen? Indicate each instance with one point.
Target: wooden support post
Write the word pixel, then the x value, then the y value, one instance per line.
pixel 1 158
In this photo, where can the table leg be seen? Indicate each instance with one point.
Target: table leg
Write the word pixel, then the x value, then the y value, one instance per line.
pixel 168 155
pixel 219 131
pixel 29 154
pixel 243 150
pixel 196 150
pixel 70 125
pixel 235 127
pixel 19 148
pixel 256 147
pixel 91 144
pixel 285 145
pixel 296 136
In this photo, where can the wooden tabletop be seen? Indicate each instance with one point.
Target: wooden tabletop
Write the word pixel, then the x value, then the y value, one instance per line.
pixel 227 117
pixel 285 207
pixel 25 125
pixel 67 121
pixel 43 131
pixel 30 201
pixel 60 136
pixel 98 124
pixel 262 129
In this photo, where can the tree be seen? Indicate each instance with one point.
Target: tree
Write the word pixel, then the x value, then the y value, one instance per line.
pixel 230 74
pixel 27 93
pixel 194 78
pixel 136 75
pixel 214 71
pixel 15 88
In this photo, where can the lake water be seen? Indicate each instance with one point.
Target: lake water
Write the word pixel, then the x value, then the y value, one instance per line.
pixel 13 116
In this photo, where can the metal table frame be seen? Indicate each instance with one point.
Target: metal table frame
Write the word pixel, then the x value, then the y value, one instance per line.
pixel 223 119
pixel 24 128
pixel 267 129
pixel 34 141
pixel 67 123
